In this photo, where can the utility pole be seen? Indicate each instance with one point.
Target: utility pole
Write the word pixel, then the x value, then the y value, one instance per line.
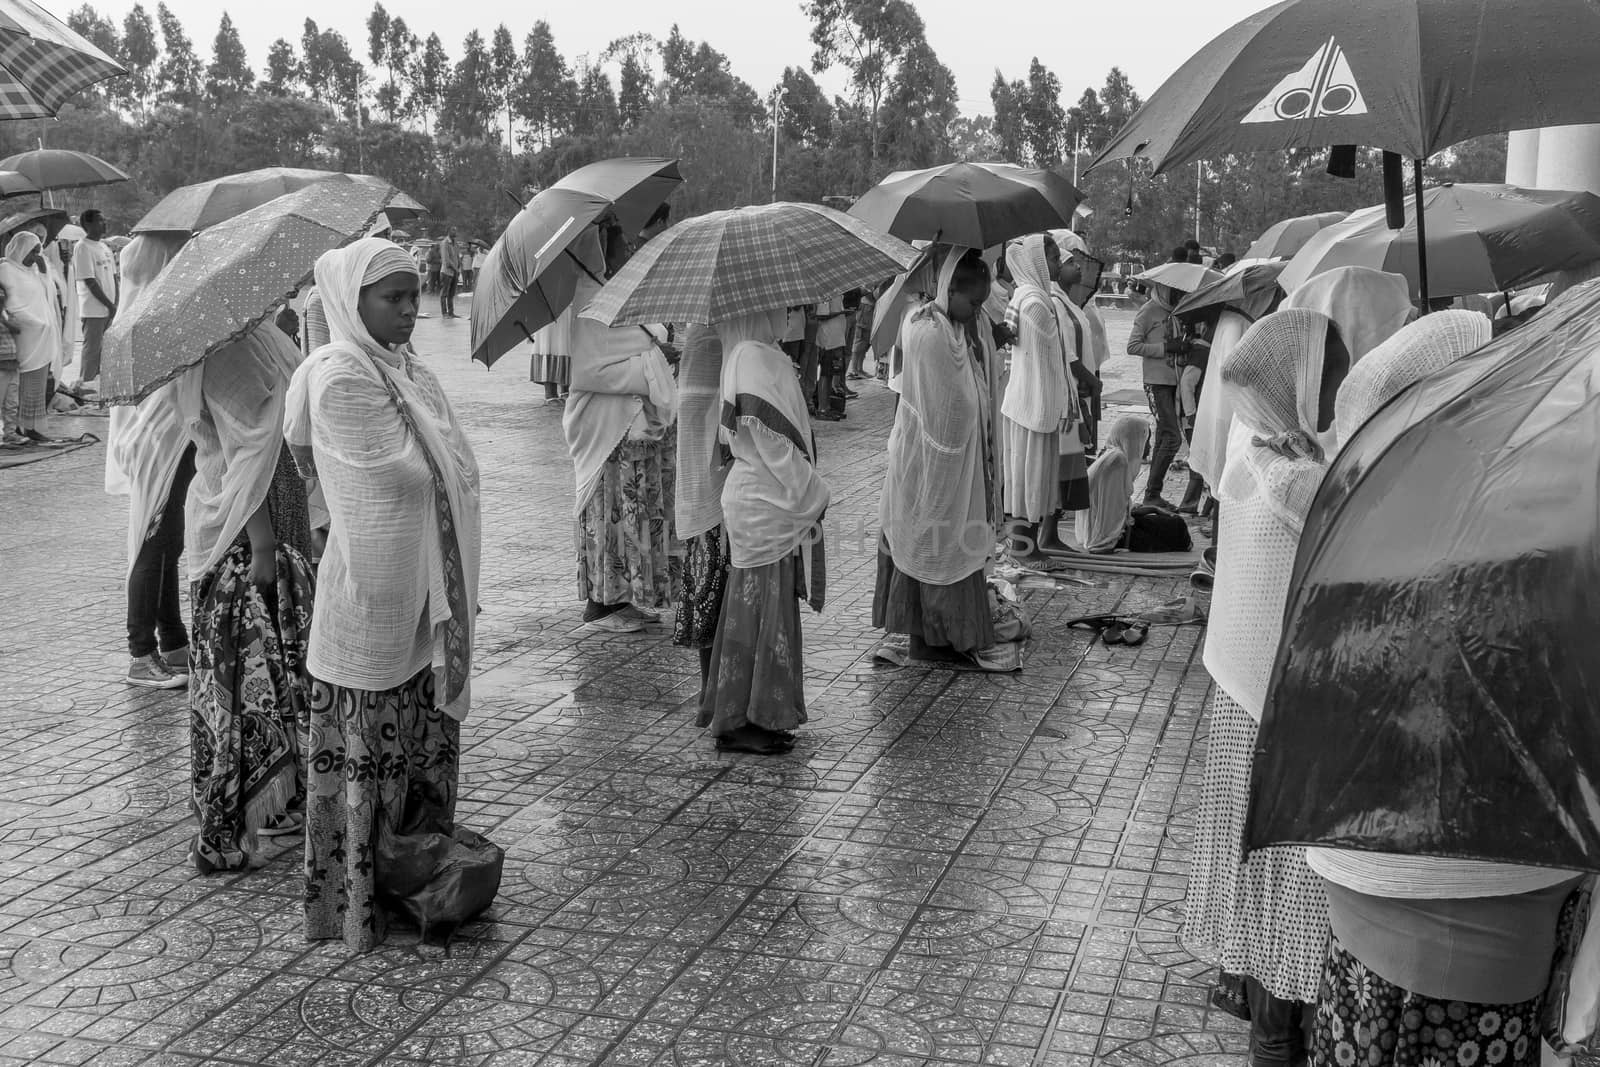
pixel 1077 150
pixel 777 105
pixel 1199 173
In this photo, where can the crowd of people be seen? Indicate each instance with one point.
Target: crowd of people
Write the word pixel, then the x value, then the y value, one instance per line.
pixel 57 297
pixel 326 497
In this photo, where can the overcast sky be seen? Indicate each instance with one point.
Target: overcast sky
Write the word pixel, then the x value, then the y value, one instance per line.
pixel 1078 39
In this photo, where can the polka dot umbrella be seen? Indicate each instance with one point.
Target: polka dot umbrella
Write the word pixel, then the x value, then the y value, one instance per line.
pixel 230 279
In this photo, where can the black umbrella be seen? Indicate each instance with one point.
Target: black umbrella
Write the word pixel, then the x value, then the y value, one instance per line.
pixel 1433 692
pixel 978 205
pixel 1411 77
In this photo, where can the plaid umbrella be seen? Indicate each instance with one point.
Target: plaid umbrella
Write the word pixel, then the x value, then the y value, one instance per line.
pixel 636 186
pixel 43 64
pixel 527 280
pixel 230 279
pixel 193 208
pixel 59 168
pixel 732 263
pixel 978 205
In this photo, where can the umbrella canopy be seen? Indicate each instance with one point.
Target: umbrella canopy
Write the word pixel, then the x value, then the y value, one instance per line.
pixel 1188 277
pixel 1481 239
pixel 729 263
pixel 890 309
pixel 228 280
pixel 527 280
pixel 53 217
pixel 43 63
pixel 1430 693
pixel 193 208
pixel 1283 239
pixel 636 186
pixel 1252 291
pixel 978 205
pixel 1409 76
pixel 58 168
pixel 13 183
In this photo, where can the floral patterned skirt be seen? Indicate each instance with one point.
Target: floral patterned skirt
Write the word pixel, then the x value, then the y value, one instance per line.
pixel 248 700
pixel 1363 1019
pixel 375 760
pixel 757 663
pixel 626 547
pixel 705 578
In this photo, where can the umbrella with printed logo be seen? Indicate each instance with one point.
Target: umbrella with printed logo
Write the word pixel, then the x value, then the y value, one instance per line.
pixel 1410 77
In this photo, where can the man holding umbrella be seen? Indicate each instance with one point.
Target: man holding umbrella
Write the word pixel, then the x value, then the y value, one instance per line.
pixel 96 270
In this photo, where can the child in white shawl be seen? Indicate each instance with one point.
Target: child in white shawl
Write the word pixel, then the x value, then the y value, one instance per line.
pixel 1263 918
pixel 391 641
pixel 771 503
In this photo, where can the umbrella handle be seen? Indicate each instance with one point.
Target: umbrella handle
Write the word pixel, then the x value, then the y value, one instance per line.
pixel 601 282
pixel 524 328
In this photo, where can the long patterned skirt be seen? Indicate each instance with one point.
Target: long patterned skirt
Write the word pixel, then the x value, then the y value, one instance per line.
pixel 627 553
pixel 705 580
pixel 248 697
pixel 955 616
pixel 376 760
pixel 1363 1019
pixel 1266 917
pixel 551 370
pixel 757 663
pixel 248 686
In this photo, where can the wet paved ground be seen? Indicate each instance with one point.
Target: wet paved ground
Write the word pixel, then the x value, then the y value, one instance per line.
pixel 949 868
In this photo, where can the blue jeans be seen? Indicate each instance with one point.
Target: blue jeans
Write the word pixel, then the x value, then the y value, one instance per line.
pixel 1163 400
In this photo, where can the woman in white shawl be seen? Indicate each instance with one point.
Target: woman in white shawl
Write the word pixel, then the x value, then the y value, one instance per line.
pixel 938 529
pixel 1451 957
pixel 150 460
pixel 248 537
pixel 30 299
pixel 1265 918
pixel 697 500
pixel 391 642
pixel 1112 479
pixel 621 428
pixel 1045 469
pixel 771 503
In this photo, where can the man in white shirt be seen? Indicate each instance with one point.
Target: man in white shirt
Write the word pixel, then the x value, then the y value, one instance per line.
pixel 96 270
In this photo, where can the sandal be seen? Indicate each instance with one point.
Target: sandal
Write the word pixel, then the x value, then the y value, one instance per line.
pixel 1130 632
pixel 1093 623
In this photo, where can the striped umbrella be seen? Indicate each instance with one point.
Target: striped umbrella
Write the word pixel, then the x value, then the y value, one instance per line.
pixel 732 263
pixel 43 64
pixel 230 279
pixel 1288 236
pixel 978 205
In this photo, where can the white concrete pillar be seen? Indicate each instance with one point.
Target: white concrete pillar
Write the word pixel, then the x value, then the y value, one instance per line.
pixel 1569 158
pixel 1522 159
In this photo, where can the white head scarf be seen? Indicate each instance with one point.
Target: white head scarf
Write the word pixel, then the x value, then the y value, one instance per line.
pixel 1426 346
pixel 1028 264
pixel 340 277
pixel 1275 380
pixel 1367 305
pixel 1039 394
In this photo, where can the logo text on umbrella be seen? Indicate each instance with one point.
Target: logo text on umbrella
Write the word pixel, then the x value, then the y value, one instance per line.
pixel 1324 88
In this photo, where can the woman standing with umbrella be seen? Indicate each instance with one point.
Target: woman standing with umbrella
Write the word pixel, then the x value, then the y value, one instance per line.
pixel 1263 917
pixel 771 502
pixel 938 532
pixel 621 429
pixel 248 538
pixel 391 643
pixel 33 310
